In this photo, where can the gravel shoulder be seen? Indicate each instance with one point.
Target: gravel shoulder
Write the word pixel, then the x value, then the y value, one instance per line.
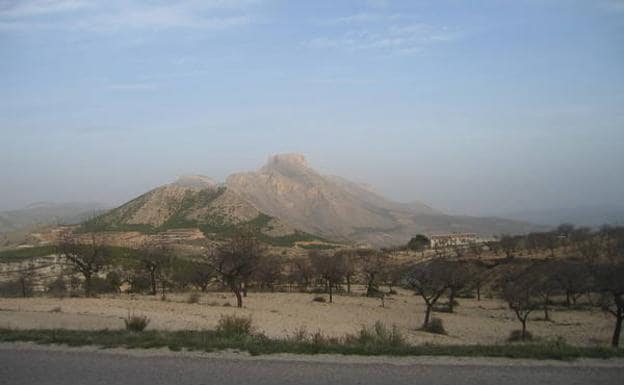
pixel 321 358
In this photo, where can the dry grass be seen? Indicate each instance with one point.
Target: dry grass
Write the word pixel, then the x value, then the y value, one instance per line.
pixel 279 315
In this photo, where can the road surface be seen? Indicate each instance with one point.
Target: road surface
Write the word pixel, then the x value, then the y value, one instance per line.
pixel 41 366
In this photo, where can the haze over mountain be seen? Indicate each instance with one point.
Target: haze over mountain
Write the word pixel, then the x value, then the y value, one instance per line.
pixel 592 216
pixel 287 200
pixel 47 213
pixel 336 208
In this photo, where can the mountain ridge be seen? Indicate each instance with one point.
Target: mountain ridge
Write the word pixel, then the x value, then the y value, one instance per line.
pixel 337 208
pixel 287 199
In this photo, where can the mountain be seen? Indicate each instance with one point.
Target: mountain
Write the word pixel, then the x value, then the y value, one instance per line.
pixel 591 216
pixel 338 209
pixel 285 202
pixel 44 213
pixel 194 202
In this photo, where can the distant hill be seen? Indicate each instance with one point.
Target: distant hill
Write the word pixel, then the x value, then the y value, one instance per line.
pixel 581 216
pixel 195 202
pixel 44 213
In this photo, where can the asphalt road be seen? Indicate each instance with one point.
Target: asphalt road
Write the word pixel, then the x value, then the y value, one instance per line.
pixel 39 366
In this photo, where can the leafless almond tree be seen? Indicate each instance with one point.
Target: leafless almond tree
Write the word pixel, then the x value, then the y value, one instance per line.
pixel 430 281
pixel 330 267
pixel 236 260
pixel 87 259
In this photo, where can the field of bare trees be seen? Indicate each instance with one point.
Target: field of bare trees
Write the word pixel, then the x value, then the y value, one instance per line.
pixel 567 284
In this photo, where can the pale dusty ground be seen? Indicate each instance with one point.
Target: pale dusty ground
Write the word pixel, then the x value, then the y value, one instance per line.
pixel 281 314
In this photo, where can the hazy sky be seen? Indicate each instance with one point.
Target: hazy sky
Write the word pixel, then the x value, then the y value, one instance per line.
pixel 474 107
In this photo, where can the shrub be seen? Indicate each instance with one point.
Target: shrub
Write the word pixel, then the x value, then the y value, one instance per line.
pixel 318 338
pixel 102 286
pixel 234 326
pixel 441 308
pixel 193 298
pixel 435 326
pixel 140 283
pixel 57 288
pixel 10 289
pixel 380 335
pixel 300 335
pixel 516 335
pixel 136 323
pixel 319 299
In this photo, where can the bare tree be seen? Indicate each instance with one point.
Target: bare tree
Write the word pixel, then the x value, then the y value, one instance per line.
pixel 236 260
pixel 330 267
pixel 519 291
pixel 493 246
pixel 268 272
pixel 508 244
pixel 26 278
pixel 373 265
pixel 302 272
pixel 479 275
pixel 392 275
pixel 87 259
pixel 195 273
pixel 430 281
pixel 349 257
pixel 543 274
pixel 476 249
pixel 458 277
pixel 573 278
pixel 609 278
pixel 155 258
pixel 551 242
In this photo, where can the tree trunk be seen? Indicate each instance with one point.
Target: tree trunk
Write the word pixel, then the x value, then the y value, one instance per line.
pixel 239 298
pixel 523 329
pixel 153 281
pixel 568 302
pixel 427 315
pixel 615 341
pixel 370 287
pixel 349 284
pixel 87 284
pixel 479 293
pixel 23 283
pixel 331 298
pixel 451 300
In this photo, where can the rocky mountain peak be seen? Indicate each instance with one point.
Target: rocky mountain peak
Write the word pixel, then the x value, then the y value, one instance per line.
pixel 286 161
pixel 195 182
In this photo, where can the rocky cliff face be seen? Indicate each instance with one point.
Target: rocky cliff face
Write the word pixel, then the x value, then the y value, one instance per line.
pixel 336 208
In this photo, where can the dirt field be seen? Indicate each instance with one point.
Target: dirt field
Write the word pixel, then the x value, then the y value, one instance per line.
pixel 281 314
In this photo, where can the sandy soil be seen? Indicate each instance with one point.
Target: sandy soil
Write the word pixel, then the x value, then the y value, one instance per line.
pixel 281 314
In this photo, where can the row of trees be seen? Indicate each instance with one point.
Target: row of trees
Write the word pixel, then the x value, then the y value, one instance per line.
pixel 238 264
pixel 593 266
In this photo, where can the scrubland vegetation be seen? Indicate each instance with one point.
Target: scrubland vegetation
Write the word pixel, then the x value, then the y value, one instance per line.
pixel 565 271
